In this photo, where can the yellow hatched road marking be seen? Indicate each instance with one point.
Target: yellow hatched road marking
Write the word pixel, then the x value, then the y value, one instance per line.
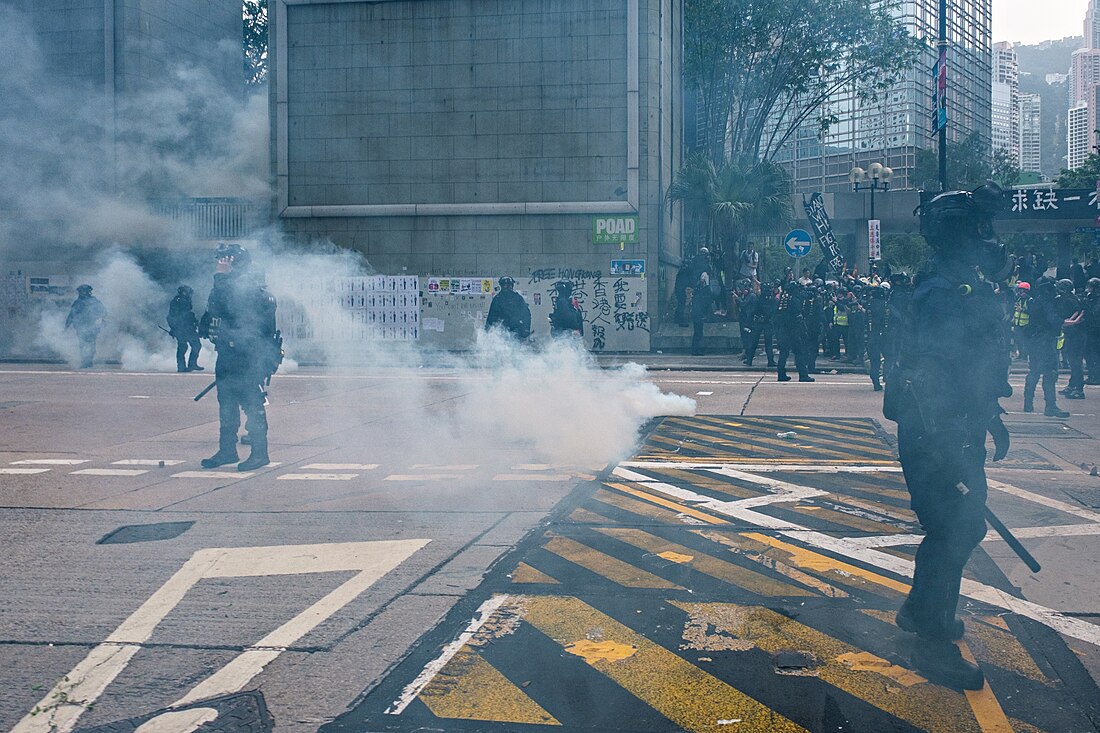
pixel 861 524
pixel 782 568
pixel 683 693
pixel 469 688
pixel 603 564
pixel 727 572
pixel 524 573
pixel 848 668
pixel 704 480
pixel 810 560
pixel 667 503
pixel 901 514
pixel 987 709
pixel 637 507
pixel 819 441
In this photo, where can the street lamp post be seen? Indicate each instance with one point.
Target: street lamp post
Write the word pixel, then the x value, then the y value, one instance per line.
pixel 875 177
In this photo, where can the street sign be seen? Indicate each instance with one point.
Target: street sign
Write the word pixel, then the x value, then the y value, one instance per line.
pixel 798 243
pixel 614 230
pixel 874 239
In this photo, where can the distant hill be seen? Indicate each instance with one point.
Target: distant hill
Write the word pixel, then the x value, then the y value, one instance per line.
pixel 1049 57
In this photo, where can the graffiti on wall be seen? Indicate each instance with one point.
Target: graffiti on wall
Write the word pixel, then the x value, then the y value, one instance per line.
pixel 616 312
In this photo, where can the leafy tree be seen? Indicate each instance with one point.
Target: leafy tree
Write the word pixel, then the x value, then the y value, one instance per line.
pixel 732 201
pixel 968 165
pixel 1084 177
pixel 905 252
pixel 763 69
pixel 1006 168
pixel 255 41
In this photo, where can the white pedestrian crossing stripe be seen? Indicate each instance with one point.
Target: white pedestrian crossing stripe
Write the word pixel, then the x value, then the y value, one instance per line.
pixel 22 471
pixel 213 474
pixel 341 466
pixel 110 472
pixel 317 476
pixel 146 462
pixel 49 462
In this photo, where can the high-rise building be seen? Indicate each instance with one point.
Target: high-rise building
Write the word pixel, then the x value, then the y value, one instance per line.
pixel 1031 133
pixel 1077 125
pixel 1006 99
pixel 895 127
pixel 1092 26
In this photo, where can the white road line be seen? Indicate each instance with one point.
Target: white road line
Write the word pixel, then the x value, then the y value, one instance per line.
pixel 213 474
pixel 146 462
pixel 532 467
pixel 23 471
pixel 424 477
pixel 317 476
pixel 341 466
pixel 484 612
pixel 434 467
pixel 533 477
pixel 49 462
pixel 1057 530
pixel 109 472
pixel 767 467
pixel 1074 627
pixel 1076 510
pixel 87 681
pixel 886 540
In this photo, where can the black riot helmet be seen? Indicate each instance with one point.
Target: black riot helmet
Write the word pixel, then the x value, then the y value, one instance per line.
pixel 84 289
pixel 184 290
pixel 507 283
pixel 564 288
pixel 959 226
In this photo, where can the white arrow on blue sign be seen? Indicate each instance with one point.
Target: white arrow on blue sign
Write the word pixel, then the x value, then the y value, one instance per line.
pixel 798 243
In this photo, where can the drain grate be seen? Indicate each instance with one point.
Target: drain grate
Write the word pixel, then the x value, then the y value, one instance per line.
pixel 1044 430
pixel 144 533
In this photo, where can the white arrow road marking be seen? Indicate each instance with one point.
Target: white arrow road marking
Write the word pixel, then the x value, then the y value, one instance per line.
pixel 86 682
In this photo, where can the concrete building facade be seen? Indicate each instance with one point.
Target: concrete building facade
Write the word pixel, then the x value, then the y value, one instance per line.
pixel 1006 99
pixel 1077 126
pixel 478 138
pixel 1031 133
pixel 894 128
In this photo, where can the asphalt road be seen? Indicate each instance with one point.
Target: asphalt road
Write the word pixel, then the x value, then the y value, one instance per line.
pixel 335 583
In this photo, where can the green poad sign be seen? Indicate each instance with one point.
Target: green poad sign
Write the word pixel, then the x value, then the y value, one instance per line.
pixel 614 229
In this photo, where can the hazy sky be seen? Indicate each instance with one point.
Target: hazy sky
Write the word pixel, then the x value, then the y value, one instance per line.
pixel 1031 21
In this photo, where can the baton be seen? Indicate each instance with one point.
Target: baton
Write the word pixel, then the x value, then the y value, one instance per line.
pixel 162 328
pixel 1006 534
pixel 209 387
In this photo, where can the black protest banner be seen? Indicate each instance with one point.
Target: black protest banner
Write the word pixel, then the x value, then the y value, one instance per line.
pixel 823 230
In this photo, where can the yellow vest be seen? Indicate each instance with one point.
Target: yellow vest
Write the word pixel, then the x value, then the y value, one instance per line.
pixel 840 318
pixel 1020 316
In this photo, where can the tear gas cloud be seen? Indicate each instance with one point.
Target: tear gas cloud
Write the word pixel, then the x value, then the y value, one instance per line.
pixel 190 137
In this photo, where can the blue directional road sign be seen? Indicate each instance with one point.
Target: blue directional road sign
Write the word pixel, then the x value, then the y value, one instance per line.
pixel 798 243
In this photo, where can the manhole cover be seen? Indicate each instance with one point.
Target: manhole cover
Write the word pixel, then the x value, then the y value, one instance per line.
pixel 1087 497
pixel 1023 458
pixel 1044 430
pixel 244 712
pixel 144 533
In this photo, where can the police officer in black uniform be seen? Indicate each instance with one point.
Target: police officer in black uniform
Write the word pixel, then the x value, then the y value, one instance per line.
pixel 952 370
pixel 791 330
pixel 86 317
pixel 240 320
pixel 184 327
pixel 566 318
pixel 1043 330
pixel 509 311
pixel 878 312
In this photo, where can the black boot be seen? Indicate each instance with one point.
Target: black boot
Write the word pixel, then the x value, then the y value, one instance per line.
pixel 783 377
pixel 1053 410
pixel 953 630
pixel 1029 403
pixel 221 458
pixel 942 663
pixel 877 385
pixel 258 457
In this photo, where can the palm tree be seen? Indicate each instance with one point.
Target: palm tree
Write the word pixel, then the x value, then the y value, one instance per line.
pixel 732 201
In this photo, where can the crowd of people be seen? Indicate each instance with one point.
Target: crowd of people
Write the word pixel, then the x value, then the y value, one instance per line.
pixel 847 317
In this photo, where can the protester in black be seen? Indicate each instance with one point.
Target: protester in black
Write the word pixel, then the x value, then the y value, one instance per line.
pixel 86 316
pixel 566 319
pixel 509 311
pixel 184 327
pixel 240 320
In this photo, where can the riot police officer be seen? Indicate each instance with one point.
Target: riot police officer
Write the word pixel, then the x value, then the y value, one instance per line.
pixel 184 327
pixel 86 317
pixel 791 330
pixel 952 370
pixel 1043 332
pixel 240 320
pixel 509 311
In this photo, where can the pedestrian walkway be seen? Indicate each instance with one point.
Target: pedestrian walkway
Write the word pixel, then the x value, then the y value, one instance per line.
pixel 731 576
